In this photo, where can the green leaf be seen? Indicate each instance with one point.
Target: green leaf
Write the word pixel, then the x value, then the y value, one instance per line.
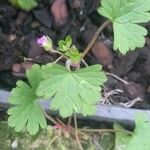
pixel 125 16
pixel 14 3
pixel 72 91
pixel 74 54
pixel 75 57
pixel 64 45
pixel 26 5
pixel 27 111
pixel 69 50
pixel 122 138
pixel 140 138
pixel 68 41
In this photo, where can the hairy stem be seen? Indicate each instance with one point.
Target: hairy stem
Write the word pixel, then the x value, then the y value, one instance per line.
pixel 84 62
pixel 100 29
pixel 76 132
pixel 49 117
pixel 69 121
pixel 57 52
pixel 57 59
pixel 68 64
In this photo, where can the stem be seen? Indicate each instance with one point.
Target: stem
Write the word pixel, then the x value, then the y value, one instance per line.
pixel 57 52
pixel 68 63
pixel 100 29
pixel 59 121
pixel 105 130
pixel 57 59
pixel 49 117
pixel 69 121
pixel 76 132
pixel 84 62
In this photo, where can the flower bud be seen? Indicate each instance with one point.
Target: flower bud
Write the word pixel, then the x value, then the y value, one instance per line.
pixel 45 42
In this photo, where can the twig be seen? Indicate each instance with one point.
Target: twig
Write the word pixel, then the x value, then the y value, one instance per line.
pixel 76 132
pixel 131 103
pixel 51 142
pixel 118 78
pixel 105 130
pixel 100 29
pixel 110 93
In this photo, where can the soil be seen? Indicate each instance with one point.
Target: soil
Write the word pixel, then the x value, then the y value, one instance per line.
pixel 19 31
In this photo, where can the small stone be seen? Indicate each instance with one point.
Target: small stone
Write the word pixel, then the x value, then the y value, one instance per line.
pixel 134 90
pixel 16 68
pixel 14 144
pixel 60 12
pixel 43 17
pixel 102 53
pixel 21 17
pixel 12 37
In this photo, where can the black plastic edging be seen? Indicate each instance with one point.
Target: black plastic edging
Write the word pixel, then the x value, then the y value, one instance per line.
pixel 104 113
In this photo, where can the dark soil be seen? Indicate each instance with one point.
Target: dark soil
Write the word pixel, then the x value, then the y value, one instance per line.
pixel 58 18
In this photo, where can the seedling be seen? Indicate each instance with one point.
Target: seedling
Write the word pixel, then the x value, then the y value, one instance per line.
pixel 79 89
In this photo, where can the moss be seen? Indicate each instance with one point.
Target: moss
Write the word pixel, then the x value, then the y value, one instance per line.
pixel 52 139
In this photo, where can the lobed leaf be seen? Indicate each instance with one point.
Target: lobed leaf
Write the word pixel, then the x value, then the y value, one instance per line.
pixel 27 112
pixel 126 16
pixel 140 138
pixel 69 50
pixel 64 45
pixel 76 91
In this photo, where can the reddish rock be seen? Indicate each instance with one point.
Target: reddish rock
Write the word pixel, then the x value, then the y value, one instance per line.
pixel 102 53
pixel 60 12
pixel 16 68
pixel 99 49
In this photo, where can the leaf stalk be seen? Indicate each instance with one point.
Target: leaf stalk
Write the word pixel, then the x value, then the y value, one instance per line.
pixel 100 29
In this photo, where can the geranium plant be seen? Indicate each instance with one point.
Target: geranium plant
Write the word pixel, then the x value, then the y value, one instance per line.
pixel 72 89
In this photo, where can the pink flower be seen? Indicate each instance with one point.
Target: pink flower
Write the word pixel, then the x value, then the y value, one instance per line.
pixel 42 41
pixel 45 42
